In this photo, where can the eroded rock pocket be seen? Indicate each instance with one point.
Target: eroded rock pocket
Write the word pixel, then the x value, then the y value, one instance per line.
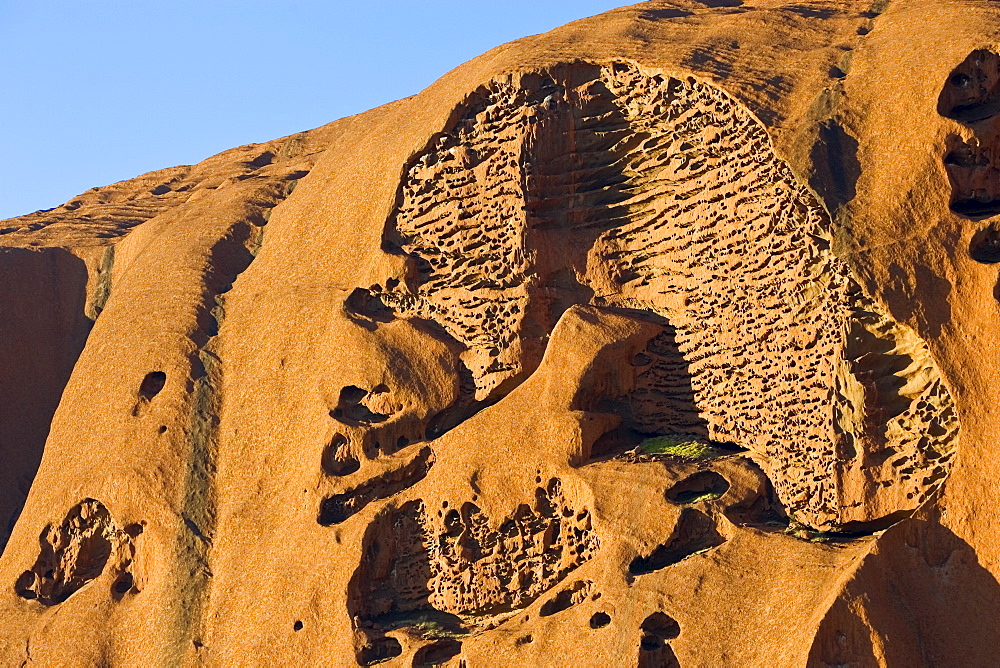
pixel 338 460
pixel 567 598
pixel 599 620
pixel 78 551
pixel 702 486
pixel 985 246
pixel 654 651
pixel 694 533
pixel 971 95
pixel 337 508
pixel 642 179
pixel 437 653
pixel 377 650
pixel 358 406
pixel 151 385
pixel 972 92
pixel 451 573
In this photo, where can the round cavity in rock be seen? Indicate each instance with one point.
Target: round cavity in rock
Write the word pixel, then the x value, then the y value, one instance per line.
pixel 599 620
pixel 152 384
pixel 297 625
pixel 337 459
pixel 378 650
pixel 642 359
pixel 985 246
pixel 960 80
pixel 661 625
pixel 24 587
pixel 123 584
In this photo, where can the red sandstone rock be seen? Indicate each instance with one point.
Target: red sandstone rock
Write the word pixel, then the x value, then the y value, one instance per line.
pixel 665 338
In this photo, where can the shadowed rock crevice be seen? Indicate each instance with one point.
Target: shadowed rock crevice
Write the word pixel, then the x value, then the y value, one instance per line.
pixel 985 246
pixel 437 653
pixel 662 401
pixel 228 257
pixel 920 598
pixel 338 460
pixel 836 167
pixel 701 486
pixel 695 532
pixel 355 405
pixel 972 92
pixel 973 171
pixel 338 508
pixel 567 598
pixel 377 650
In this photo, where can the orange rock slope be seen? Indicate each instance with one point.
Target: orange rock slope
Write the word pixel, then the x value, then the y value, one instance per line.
pixel 666 338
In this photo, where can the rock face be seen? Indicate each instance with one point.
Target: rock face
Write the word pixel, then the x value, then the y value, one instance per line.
pixel 666 338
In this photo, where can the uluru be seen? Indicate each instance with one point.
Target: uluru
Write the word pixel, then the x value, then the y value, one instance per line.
pixel 668 338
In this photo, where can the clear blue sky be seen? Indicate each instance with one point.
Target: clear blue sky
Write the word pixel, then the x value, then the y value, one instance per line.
pixel 96 91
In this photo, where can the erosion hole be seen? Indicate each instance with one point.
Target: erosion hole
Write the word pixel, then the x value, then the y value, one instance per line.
pixel 566 598
pixel 599 620
pixel 437 653
pixel 626 163
pixel 337 459
pixel 661 625
pixel 351 409
pixel 339 507
pixel 378 650
pixel 702 486
pixel 695 532
pixel 972 92
pixel 123 585
pixel 152 384
pixel 74 553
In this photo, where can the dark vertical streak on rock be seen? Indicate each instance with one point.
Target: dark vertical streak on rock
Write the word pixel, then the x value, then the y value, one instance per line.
pixel 228 258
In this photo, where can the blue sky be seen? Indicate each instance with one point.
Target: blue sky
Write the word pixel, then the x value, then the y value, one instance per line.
pixel 95 91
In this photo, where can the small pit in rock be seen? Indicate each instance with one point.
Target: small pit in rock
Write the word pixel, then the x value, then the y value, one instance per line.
pixel 654 651
pixel 985 246
pixel 599 620
pixel 152 384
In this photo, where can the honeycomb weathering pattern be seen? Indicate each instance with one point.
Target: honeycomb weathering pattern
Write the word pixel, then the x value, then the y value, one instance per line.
pixel 621 188
pixel 460 563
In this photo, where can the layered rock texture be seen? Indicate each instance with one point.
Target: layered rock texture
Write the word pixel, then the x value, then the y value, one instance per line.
pixel 667 338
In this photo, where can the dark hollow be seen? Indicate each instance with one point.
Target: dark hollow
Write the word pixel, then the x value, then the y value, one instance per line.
pixel 152 384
